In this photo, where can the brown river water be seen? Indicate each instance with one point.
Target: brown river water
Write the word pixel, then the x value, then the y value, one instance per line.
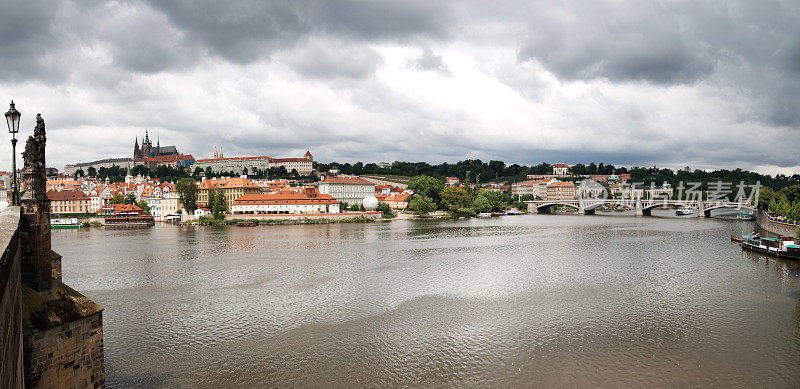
pixel 516 301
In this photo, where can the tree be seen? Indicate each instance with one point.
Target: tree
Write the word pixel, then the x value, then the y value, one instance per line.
pixel 187 192
pixel 481 204
pixel 427 186
pixel 118 199
pixel 765 195
pixel 244 171
pixel 422 205
pixel 216 201
pixel 143 205
pixel 79 173
pixel 130 198
pixel 386 209
pixel 455 198
pixel 497 200
pixel 91 171
pixel 140 170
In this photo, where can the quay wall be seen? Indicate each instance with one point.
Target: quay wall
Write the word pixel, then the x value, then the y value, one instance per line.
pixel 774 226
pixel 310 216
pixel 11 357
pixel 69 355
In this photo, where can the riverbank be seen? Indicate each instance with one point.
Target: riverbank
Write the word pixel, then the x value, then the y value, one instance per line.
pixel 775 226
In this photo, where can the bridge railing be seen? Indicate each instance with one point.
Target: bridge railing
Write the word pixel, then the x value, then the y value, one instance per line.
pixel 10 300
pixel 776 219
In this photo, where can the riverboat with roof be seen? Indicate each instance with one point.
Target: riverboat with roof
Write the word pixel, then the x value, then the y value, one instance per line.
pixel 782 247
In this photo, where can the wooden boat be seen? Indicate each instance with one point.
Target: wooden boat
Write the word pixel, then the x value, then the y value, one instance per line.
pixel 246 224
pixel 783 247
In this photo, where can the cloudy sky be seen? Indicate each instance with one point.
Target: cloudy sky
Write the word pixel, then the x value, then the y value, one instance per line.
pixel 712 84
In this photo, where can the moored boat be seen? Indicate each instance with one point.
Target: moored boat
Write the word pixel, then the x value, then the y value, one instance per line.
pixel 783 247
pixel 65 223
pixel 682 211
pixel 485 214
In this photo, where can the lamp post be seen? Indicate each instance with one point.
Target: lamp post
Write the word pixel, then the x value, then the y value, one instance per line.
pixel 12 118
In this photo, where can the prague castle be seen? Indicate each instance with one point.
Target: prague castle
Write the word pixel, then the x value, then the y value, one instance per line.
pixel 148 151
pixel 146 155
pixel 155 156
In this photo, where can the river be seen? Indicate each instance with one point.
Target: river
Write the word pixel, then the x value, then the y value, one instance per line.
pixel 532 300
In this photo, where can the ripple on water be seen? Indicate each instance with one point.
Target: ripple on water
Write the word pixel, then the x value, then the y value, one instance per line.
pixel 540 300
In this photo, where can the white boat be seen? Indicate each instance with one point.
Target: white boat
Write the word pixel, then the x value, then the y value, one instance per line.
pixel 65 223
pixel 485 214
pixel 513 211
pixel 684 211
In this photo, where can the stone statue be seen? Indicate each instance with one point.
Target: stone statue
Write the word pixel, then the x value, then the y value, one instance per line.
pixel 33 172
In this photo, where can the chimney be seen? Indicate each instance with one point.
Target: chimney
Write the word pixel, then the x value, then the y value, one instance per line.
pixel 311 192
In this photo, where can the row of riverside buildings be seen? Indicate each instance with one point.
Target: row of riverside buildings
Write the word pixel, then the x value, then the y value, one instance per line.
pixel 155 156
pixel 551 186
pixel 242 195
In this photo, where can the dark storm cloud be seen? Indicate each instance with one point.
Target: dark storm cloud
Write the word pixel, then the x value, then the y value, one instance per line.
pixel 632 41
pixel 138 62
pixel 246 31
pixel 27 40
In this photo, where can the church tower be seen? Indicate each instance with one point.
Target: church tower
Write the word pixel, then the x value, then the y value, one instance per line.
pixel 147 146
pixel 137 154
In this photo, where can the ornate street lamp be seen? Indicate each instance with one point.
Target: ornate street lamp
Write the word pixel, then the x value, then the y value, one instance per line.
pixel 12 118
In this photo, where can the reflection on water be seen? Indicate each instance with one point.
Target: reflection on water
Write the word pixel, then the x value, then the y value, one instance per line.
pixel 541 300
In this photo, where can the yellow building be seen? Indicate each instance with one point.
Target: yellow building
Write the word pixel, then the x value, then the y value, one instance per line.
pixel 69 201
pixel 232 189
pixel 561 191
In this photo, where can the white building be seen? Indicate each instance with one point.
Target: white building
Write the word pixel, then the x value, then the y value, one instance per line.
pixel 126 163
pixel 351 190
pixel 237 165
pixel 288 201
pixel 560 169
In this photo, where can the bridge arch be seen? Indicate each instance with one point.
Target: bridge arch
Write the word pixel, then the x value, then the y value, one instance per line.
pixel 548 207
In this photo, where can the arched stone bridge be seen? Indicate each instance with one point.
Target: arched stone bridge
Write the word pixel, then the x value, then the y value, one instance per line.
pixel 641 206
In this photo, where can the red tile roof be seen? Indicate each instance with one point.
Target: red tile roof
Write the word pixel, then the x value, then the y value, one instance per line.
pixel 169 158
pixel 226 183
pixel 66 195
pixel 286 197
pixel 122 208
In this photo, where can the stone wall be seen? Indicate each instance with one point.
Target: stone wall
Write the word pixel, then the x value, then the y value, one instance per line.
pixel 310 216
pixel 11 364
pixel 775 227
pixel 67 356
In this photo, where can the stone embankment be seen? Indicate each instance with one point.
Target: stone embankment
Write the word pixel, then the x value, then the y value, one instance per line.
pixel 775 226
